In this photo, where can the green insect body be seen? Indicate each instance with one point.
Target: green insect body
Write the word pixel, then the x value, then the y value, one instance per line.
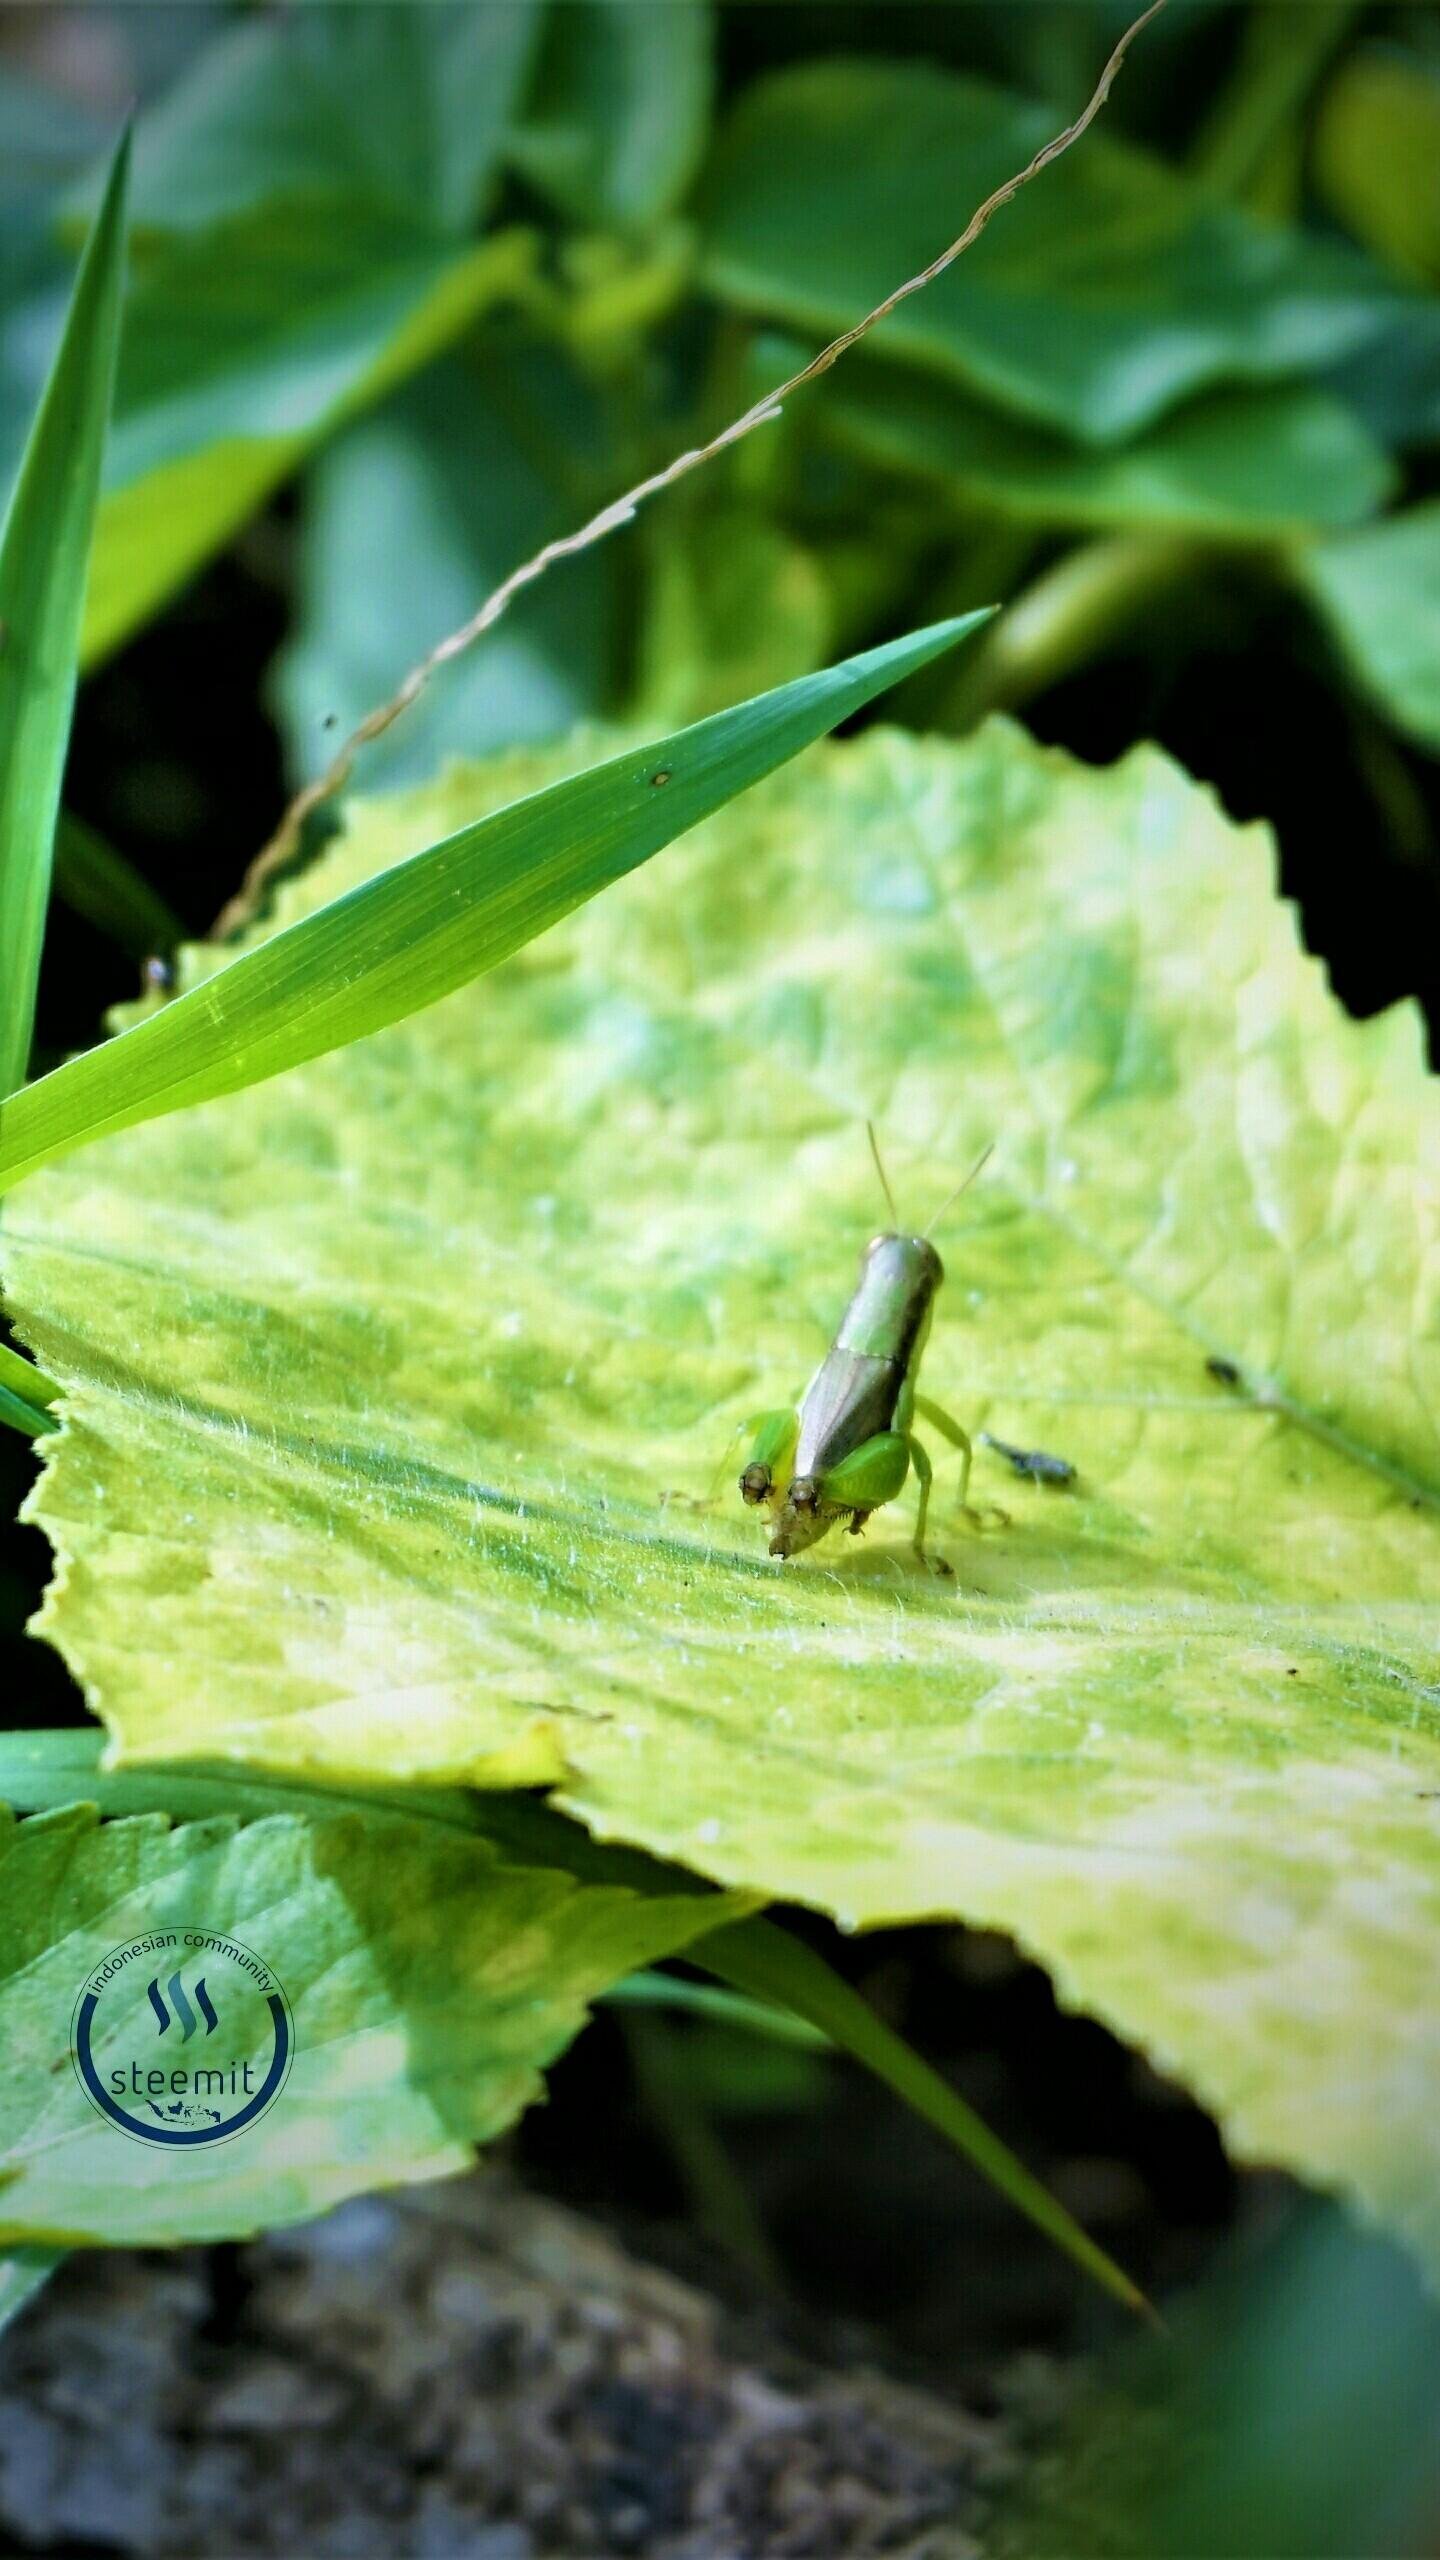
pixel 849 1445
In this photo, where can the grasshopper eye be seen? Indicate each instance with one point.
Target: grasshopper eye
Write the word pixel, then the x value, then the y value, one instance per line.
pixel 804 1493
pixel 757 1483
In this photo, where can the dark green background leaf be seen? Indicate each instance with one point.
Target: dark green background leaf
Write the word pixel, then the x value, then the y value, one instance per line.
pixel 617 115
pixel 1107 292
pixel 388 106
pixel 411 519
pixel 1379 592
pixel 1236 464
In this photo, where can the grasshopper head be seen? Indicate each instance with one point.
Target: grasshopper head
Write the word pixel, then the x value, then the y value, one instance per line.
pixel 802 1518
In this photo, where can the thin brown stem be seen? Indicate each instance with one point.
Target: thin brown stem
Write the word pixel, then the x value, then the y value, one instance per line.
pixel 284 841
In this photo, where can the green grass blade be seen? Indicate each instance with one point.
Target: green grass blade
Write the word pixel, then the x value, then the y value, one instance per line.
pixel 25 1394
pixel 727 2008
pixel 98 883
pixel 18 1414
pixel 44 558
pixel 765 1962
pixel 426 926
pixel 22 2273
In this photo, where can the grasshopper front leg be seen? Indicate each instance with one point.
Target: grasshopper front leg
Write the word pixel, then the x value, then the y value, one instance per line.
pixel 772 1437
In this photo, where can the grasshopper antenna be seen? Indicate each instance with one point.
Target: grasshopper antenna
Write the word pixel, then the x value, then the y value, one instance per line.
pixel 978 1166
pixel 884 1179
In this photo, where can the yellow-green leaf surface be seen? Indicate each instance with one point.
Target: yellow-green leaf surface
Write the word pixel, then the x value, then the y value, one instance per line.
pixel 378 1377
pixel 429 1985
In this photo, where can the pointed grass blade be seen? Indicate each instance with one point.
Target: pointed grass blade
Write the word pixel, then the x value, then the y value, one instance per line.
pixel 26 1395
pixel 766 1963
pixel 427 925
pixel 23 2272
pixel 98 884
pixel 44 558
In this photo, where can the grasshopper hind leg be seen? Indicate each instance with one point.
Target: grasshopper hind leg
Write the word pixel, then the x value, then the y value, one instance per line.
pixel 935 1414
pixel 925 1477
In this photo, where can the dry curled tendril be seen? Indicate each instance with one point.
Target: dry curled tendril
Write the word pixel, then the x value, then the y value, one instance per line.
pixel 284 843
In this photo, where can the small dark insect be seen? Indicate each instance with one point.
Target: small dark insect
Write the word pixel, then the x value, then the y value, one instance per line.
pixel 1037 1464
pixel 330 720
pixel 1224 1372
pixel 656 779
pixel 157 975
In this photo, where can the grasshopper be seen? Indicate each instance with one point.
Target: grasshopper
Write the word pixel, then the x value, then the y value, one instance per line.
pixel 848 1446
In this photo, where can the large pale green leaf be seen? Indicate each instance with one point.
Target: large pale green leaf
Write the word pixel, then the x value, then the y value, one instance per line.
pixel 409 520
pixel 1379 592
pixel 1238 465
pixel 378 1377
pixel 429 1983
pixel 1103 295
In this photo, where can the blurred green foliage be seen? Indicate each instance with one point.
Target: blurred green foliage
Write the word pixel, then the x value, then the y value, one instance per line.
pixel 545 247
pixel 1289 2413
